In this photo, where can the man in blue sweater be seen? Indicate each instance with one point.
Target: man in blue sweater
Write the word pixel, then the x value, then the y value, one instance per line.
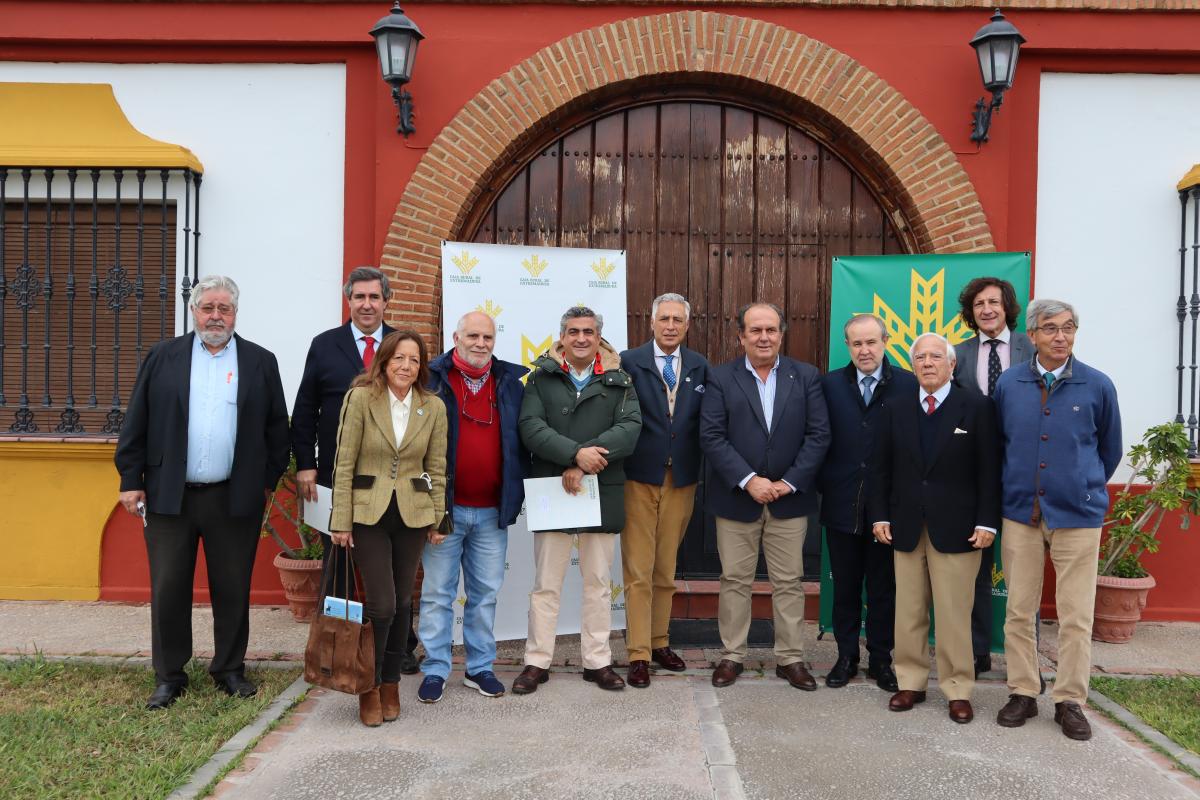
pixel 1061 431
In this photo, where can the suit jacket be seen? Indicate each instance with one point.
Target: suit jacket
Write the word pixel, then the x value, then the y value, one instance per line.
pixel 843 480
pixel 955 490
pixel 152 449
pixel 734 437
pixel 1021 350
pixel 332 363
pixel 371 465
pixel 664 437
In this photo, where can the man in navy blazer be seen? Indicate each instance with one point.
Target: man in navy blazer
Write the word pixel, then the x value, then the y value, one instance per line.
pixel 856 395
pixel 989 307
pixel 764 429
pixel 660 482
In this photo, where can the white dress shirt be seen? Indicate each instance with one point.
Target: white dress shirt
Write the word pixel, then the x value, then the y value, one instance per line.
pixel 401 409
pixel 376 334
pixel 1003 350
pixel 660 360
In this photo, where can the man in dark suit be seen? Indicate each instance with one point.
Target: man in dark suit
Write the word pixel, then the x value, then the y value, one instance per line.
pixel 203 445
pixel 764 429
pixel 855 395
pixel 935 497
pixel 660 482
pixel 335 358
pixel 989 307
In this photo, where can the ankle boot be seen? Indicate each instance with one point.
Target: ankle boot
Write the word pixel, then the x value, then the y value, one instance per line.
pixel 369 710
pixel 389 700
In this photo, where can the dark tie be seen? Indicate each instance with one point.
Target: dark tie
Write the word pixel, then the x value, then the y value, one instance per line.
pixel 931 401
pixel 867 382
pixel 368 350
pixel 993 366
pixel 669 372
pixel 1048 377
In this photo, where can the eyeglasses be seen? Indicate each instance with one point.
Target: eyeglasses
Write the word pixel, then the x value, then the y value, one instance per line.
pixel 491 414
pixel 208 308
pixel 1053 330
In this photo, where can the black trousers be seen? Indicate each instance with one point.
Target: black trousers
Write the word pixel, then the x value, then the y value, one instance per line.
pixel 333 557
pixel 856 559
pixel 981 613
pixel 230 544
pixel 387 555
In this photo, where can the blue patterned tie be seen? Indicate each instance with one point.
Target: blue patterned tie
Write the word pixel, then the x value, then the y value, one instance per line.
pixel 669 372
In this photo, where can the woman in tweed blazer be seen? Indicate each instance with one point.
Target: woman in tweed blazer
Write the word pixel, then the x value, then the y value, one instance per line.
pixel 389 496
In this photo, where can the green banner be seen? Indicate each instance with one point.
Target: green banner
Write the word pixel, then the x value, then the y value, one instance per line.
pixel 915 295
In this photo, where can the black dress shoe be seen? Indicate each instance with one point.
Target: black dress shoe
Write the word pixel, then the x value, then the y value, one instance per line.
pixel 983 664
pixel 639 674
pixel 668 659
pixel 236 685
pixel 884 677
pixel 410 664
pixel 605 678
pixel 845 669
pixel 164 695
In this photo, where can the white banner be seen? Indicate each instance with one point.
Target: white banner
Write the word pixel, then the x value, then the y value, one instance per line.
pixel 526 290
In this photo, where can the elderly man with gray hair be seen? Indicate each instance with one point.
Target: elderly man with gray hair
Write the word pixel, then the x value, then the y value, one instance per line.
pixel 1061 430
pixel 935 498
pixel 204 441
pixel 660 489
pixel 580 416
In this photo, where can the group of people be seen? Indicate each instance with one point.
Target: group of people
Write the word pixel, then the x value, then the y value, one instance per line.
pixel 914 476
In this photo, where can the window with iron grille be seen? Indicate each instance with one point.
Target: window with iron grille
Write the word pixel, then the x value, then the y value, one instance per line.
pixel 91 262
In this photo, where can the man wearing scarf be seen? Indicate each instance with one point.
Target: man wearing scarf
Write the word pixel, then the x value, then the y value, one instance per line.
pixel 484 492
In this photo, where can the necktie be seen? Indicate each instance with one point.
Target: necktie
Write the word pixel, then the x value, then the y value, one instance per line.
pixel 993 366
pixel 669 372
pixel 931 401
pixel 368 350
pixel 868 382
pixel 1048 377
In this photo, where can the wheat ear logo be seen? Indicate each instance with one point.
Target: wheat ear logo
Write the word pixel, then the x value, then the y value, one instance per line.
pixel 603 269
pixel 465 262
pixel 535 265
pixel 490 308
pixel 997 576
pixel 530 351
pixel 926 314
pixel 614 590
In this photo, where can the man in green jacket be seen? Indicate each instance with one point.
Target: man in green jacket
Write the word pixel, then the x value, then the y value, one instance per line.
pixel 580 416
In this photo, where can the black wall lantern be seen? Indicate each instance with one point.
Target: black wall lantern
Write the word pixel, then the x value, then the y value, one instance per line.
pixel 996 46
pixel 396 38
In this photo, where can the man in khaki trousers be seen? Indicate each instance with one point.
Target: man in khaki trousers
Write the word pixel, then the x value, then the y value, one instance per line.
pixel 1061 428
pixel 660 485
pixel 764 429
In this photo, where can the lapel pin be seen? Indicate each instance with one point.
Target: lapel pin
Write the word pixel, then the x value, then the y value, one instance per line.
pixel 420 411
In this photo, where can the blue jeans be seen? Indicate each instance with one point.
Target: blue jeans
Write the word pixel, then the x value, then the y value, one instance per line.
pixel 479 546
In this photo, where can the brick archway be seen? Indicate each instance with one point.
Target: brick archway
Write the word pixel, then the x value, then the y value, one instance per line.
pixel 936 201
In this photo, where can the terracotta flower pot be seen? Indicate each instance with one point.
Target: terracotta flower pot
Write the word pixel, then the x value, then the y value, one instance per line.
pixel 301 579
pixel 1119 604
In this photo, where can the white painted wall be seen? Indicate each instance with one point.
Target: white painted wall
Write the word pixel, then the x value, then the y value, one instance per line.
pixel 271 138
pixel 1110 150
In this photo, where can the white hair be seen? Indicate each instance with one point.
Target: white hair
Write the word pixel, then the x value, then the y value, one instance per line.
pixel 210 282
pixel 912 351
pixel 1044 307
pixel 671 297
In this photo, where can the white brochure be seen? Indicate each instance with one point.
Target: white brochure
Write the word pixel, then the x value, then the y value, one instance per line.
pixel 550 508
pixel 316 514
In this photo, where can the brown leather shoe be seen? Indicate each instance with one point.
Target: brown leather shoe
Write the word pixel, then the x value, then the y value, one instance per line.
pixel 527 682
pixel 389 700
pixel 726 672
pixel 668 659
pixel 369 710
pixel 797 676
pixel 1074 724
pixel 605 678
pixel 961 711
pixel 905 699
pixel 639 674
pixel 1018 709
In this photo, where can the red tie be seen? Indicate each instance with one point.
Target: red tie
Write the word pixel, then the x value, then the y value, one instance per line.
pixel 931 401
pixel 368 351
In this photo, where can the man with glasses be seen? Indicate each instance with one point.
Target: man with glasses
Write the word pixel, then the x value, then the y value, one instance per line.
pixel 205 440
pixel 1061 430
pixel 484 492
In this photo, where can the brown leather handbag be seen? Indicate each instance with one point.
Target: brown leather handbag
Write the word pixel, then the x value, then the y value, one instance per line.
pixel 340 654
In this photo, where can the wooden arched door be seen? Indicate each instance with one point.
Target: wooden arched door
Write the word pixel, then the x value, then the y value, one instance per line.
pixel 720 202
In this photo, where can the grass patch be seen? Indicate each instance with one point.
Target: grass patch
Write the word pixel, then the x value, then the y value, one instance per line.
pixel 73 730
pixel 1168 704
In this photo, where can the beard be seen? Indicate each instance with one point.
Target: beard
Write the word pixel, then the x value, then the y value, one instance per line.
pixel 477 360
pixel 215 336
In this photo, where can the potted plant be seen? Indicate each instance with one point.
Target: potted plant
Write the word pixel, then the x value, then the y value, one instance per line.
pixel 1160 462
pixel 300 566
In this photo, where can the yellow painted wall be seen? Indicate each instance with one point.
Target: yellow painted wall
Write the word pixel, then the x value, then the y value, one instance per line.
pixel 57 497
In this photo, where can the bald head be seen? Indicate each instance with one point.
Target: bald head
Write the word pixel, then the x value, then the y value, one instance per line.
pixel 475 338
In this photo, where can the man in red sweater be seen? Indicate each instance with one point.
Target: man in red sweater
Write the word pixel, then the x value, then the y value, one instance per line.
pixel 484 492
